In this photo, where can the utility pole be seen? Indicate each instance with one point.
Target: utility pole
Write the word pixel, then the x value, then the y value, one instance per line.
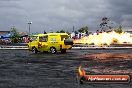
pixel 29 23
pixel 73 28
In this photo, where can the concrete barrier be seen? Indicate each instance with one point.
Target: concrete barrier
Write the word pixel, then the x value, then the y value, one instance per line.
pixel 13 47
pixel 89 48
pixel 73 48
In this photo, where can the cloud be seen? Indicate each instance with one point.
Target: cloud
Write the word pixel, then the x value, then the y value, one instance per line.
pixel 120 12
pixel 63 14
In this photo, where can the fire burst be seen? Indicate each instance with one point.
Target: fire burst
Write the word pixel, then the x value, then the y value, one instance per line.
pixel 106 38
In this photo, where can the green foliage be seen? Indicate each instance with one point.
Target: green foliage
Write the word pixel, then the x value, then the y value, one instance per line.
pixel 58 32
pixel 83 29
pixel 61 31
pixel 119 30
pixel 15 35
pixel 90 33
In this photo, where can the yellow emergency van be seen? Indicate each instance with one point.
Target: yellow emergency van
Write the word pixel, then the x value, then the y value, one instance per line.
pixel 51 42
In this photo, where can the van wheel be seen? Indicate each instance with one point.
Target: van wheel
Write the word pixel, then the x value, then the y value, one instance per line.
pixel 53 50
pixel 63 51
pixel 34 50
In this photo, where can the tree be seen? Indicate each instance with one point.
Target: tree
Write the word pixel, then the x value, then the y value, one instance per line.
pixel 104 25
pixel 83 29
pixel 58 32
pixel 119 30
pixel 61 31
pixel 15 35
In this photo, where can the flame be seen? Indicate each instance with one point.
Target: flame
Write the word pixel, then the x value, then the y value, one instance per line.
pixel 106 38
pixel 81 71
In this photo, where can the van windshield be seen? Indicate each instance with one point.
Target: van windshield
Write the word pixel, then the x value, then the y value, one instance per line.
pixel 64 37
pixel 43 38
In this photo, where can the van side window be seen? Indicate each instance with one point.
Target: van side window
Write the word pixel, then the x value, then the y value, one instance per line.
pixel 64 37
pixel 53 39
pixel 43 38
pixel 33 38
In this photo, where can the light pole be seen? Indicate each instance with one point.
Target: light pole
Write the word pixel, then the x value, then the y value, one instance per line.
pixel 29 23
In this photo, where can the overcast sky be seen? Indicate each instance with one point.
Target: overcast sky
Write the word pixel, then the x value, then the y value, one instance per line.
pixel 52 15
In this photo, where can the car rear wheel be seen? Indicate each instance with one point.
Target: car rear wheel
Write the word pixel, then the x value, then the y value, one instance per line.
pixel 53 50
pixel 34 50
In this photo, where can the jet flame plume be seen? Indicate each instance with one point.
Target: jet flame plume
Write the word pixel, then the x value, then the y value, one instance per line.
pixel 106 38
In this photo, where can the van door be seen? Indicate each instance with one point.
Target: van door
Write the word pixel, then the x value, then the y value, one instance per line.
pixel 33 41
pixel 54 41
pixel 43 40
